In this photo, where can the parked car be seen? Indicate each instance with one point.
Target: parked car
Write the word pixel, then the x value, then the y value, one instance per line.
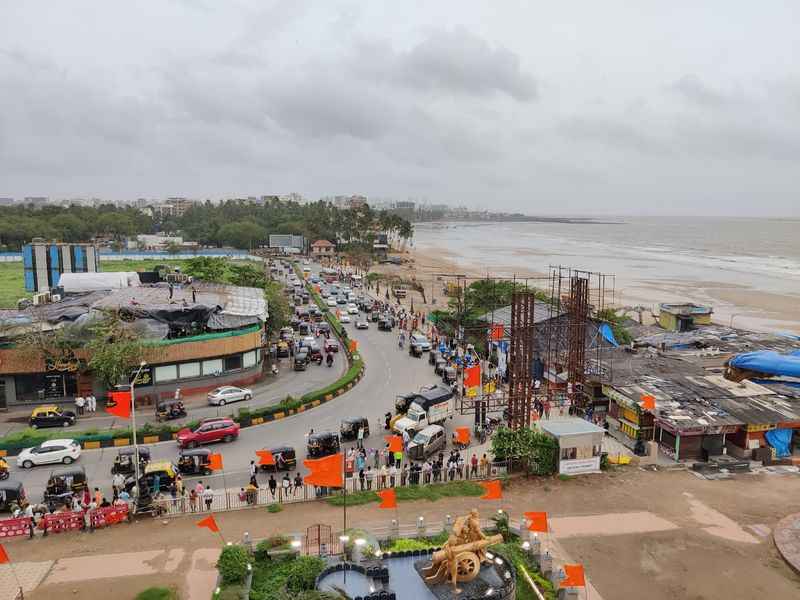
pixel 209 430
pixel 51 451
pixel 228 393
pixel 51 415
pixel 362 324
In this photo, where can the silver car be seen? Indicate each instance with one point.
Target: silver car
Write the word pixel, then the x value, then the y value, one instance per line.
pixel 228 393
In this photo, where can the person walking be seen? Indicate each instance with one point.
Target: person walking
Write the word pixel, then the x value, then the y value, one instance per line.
pixel 253 469
pixel 273 485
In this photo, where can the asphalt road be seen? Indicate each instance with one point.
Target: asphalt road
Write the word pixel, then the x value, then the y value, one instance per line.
pixel 389 372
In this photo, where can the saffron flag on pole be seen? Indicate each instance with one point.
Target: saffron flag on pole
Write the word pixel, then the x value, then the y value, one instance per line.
pixel 325 472
pixel 497 332
pixel 215 462
pixel 472 376
pixel 209 523
pixel 3 555
pixel 648 402
pixel 574 576
pixel 265 457
pixel 395 443
pixel 388 498
pixel 493 490
pixel 537 521
pixel 119 404
pixel 353 345
pixel 462 435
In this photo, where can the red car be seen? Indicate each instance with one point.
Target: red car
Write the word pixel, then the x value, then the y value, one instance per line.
pixel 209 430
pixel 331 346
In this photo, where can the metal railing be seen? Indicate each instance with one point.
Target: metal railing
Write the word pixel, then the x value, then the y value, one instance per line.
pixel 231 499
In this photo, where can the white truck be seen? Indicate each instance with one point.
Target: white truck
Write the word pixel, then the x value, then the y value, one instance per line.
pixel 430 406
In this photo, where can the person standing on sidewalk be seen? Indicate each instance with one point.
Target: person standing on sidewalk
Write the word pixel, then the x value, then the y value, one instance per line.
pixel 91 402
pixel 253 470
pixel 79 405
pixel 273 485
pixel 208 497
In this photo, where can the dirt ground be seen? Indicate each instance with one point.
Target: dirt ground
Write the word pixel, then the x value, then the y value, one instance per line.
pixel 665 535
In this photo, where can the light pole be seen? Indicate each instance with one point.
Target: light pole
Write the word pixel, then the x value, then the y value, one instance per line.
pixel 133 424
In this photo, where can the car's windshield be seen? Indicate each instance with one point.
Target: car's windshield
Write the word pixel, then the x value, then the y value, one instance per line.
pixel 420 438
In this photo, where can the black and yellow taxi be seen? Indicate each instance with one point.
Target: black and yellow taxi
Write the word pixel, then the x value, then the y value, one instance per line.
pixel 51 415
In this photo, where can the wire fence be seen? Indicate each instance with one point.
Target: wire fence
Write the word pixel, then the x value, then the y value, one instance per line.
pixel 287 492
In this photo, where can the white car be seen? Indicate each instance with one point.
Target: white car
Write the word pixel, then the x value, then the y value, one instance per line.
pixel 362 325
pixel 228 393
pixel 331 302
pixel 344 319
pixel 352 309
pixel 51 451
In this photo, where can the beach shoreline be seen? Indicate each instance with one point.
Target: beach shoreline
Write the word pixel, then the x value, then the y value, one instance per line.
pixel 734 304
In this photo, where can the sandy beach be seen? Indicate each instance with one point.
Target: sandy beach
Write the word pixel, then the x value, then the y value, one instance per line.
pixel 734 304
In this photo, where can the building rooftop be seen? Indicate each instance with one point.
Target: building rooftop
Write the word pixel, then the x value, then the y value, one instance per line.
pixel 575 426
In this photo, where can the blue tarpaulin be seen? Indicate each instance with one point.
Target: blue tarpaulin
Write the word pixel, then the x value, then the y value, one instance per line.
pixel 769 362
pixel 779 439
pixel 608 334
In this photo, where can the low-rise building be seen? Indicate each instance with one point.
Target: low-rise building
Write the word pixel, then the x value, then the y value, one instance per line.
pixel 322 249
pixel 683 317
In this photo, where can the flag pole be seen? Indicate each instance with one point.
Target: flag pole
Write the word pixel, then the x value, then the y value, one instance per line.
pixel 133 426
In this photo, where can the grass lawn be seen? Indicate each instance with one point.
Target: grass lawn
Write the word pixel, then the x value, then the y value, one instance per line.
pixel 157 593
pixel 431 493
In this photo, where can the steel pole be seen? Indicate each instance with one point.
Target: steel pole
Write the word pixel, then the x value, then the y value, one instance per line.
pixel 133 425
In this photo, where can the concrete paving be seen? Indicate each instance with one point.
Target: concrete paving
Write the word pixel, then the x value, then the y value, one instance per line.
pixel 787 540
pixel 28 575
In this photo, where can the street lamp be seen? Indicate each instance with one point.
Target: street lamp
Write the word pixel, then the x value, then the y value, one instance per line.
pixel 142 365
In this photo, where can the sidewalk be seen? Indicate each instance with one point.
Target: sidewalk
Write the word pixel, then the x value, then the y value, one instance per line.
pixel 268 391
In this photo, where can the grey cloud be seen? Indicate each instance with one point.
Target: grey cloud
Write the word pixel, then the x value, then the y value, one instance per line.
pixel 691 88
pixel 456 61
pixel 612 132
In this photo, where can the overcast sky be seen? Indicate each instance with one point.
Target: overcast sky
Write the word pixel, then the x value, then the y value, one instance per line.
pixel 612 107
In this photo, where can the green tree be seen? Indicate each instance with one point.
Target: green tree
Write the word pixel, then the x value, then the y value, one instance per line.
pixel 115 349
pixel 247 275
pixel 173 248
pixel 207 268
pixel 242 234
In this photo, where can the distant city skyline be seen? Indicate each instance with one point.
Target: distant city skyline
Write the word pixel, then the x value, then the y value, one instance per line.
pixel 612 108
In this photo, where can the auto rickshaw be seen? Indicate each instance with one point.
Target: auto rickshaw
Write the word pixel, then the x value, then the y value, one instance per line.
pixel 322 444
pixel 158 476
pixel 62 484
pixel 449 375
pixel 285 459
pixel 194 461
pixel 11 493
pixel 348 430
pixel 171 409
pixel 3 469
pixel 375 316
pixel 124 462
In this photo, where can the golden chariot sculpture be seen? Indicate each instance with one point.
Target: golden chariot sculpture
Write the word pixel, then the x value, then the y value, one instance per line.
pixel 462 554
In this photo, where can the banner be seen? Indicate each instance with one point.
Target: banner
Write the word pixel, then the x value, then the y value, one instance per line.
pixel 109 515
pixel 60 522
pixel 15 527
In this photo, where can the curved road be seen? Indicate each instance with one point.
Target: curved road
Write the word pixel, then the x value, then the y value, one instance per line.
pixel 389 372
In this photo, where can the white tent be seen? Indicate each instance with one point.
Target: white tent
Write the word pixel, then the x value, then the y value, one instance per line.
pixel 89 282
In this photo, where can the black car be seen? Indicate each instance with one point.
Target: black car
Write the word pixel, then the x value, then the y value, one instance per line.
pixel 322 444
pixel 51 416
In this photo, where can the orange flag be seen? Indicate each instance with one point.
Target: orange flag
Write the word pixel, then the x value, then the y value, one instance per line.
pixel 353 345
pixel 3 555
pixel 215 462
pixel 119 404
pixel 395 443
pixel 538 521
pixel 210 523
pixel 497 332
pixel 472 376
pixel 493 490
pixel 462 435
pixel 388 498
pixel 265 457
pixel 648 402
pixel 575 576
pixel 325 472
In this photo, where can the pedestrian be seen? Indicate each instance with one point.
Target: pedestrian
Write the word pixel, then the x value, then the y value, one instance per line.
pixel 208 497
pixel 298 484
pixel 98 496
pixel 546 409
pixel 406 439
pixel 273 485
pixel 360 442
pixel 392 475
pixel 484 466
pixel 377 458
pixel 253 469
pixel 361 480
pixel 474 466
pixel 179 484
pixel 80 402
pixel 117 483
pixel 193 500
pixel 286 485
pixel 177 394
pixel 369 476
pixel 384 475
pixel 199 489
pixel 93 403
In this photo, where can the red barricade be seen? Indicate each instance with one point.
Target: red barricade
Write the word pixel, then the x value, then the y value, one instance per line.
pixel 110 515
pixel 15 527
pixel 64 521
